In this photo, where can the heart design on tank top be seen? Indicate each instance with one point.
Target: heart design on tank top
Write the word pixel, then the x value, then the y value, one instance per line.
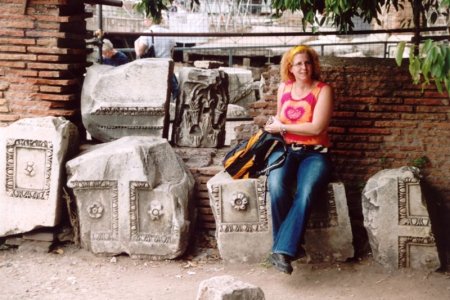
pixel 294 113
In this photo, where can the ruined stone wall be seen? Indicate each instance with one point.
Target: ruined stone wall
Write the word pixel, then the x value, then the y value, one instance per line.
pixel 42 58
pixel 381 120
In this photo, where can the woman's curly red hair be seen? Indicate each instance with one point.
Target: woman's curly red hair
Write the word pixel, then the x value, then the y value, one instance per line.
pixel 288 57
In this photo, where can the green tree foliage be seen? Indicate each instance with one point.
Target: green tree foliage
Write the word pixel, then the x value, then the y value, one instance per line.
pixel 153 8
pixel 428 62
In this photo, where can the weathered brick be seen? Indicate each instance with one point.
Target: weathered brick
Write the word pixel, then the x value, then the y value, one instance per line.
pixel 51 74
pixel 397 124
pixel 54 89
pixel 55 50
pixel 47 33
pixel 351 123
pixel 57 81
pixel 12 64
pixel 17 41
pixel 434 94
pixel 48 25
pixel 59 66
pixel 11 56
pixel 391 100
pixel 432 109
pixel 47 42
pixel 4 48
pixel 426 101
pixel 23 73
pixel 54 97
pixel 21 23
pixel 9 117
pixel 352 107
pixel 369 131
pixel 12 32
pixel 4 85
pixel 371 115
pixel 423 116
pixel 390 108
pixel 368 100
pixel 343 114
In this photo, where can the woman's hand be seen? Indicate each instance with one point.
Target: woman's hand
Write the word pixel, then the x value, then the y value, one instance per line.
pixel 273 125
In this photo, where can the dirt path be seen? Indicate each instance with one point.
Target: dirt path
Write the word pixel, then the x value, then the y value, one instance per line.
pixel 78 274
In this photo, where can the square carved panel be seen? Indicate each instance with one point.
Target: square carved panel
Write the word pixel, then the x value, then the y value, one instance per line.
pixel 411 210
pixel 98 208
pixel 241 206
pixel 150 214
pixel 28 168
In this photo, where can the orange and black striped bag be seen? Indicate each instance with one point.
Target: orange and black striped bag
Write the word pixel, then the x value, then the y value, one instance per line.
pixel 248 159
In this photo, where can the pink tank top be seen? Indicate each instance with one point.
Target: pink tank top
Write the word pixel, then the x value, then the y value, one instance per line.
pixel 297 111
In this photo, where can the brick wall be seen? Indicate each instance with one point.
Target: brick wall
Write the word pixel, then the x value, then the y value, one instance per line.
pixel 42 58
pixel 381 120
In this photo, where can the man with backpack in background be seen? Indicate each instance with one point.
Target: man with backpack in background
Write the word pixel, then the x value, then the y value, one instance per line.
pixel 157 46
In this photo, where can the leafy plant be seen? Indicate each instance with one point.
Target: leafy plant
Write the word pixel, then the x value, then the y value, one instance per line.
pixel 152 8
pixel 432 63
pixel 420 162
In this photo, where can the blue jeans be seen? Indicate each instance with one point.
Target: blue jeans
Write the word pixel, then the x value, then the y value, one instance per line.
pixel 303 176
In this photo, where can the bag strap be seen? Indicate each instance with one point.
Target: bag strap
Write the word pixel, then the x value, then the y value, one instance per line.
pixel 279 160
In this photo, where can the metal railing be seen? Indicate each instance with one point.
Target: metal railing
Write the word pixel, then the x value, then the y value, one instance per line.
pixel 231 45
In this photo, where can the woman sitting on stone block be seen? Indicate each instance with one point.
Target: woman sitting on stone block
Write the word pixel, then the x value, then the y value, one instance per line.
pixel 304 108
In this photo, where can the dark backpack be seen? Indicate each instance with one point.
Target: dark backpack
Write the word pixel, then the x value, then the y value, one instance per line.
pixel 248 159
pixel 150 52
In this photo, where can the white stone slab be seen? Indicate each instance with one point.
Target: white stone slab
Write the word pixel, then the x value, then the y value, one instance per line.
pixel 397 221
pixel 240 86
pixel 133 196
pixel 227 287
pixel 244 231
pixel 132 99
pixel 32 157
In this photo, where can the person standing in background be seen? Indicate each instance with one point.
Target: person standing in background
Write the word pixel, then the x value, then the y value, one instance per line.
pixel 163 47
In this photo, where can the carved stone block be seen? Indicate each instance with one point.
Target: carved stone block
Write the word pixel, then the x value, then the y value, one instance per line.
pixel 200 114
pixel 132 99
pixel 244 225
pixel 397 221
pixel 133 196
pixel 242 215
pixel 328 235
pixel 32 155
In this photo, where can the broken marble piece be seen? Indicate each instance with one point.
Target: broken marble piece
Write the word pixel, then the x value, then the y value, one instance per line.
pixel 33 152
pixel 133 196
pixel 244 225
pixel 132 99
pixel 201 111
pixel 397 220
pixel 227 287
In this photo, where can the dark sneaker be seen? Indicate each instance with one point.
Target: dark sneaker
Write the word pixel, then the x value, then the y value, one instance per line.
pixel 281 262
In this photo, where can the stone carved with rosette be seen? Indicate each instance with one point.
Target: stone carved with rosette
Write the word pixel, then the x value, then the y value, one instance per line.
pixel 244 226
pixel 133 196
pixel 32 156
